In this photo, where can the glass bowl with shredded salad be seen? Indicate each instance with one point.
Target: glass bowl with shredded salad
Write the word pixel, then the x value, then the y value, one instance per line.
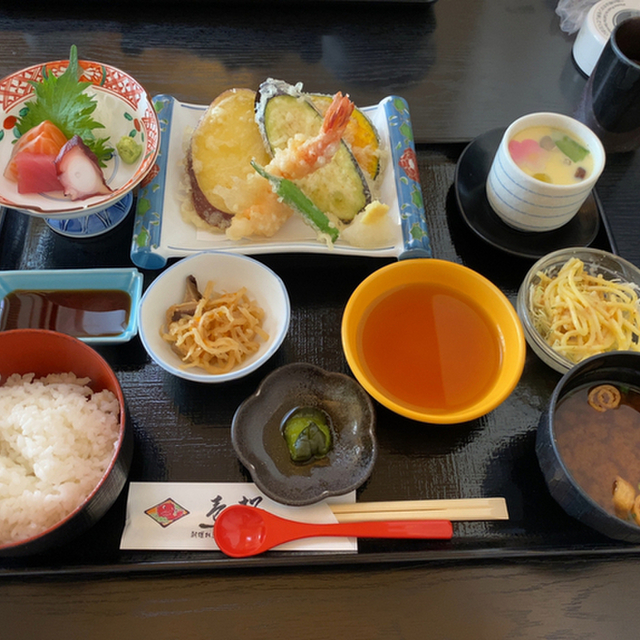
pixel 579 302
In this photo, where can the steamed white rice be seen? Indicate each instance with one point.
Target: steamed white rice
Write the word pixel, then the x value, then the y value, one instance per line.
pixel 57 438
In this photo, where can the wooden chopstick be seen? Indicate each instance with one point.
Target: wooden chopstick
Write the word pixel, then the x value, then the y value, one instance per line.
pixel 452 509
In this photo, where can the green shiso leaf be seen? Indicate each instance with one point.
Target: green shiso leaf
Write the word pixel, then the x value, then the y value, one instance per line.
pixel 62 101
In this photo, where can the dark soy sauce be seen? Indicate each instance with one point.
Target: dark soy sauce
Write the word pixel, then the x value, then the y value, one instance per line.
pixel 81 313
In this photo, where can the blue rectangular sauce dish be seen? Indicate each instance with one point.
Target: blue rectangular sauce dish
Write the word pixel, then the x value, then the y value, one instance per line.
pixel 128 280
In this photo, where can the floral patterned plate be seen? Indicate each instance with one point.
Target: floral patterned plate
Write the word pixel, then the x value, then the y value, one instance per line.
pixel 160 232
pixel 125 109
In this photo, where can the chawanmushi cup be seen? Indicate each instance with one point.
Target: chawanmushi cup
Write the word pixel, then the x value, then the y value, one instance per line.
pixel 529 204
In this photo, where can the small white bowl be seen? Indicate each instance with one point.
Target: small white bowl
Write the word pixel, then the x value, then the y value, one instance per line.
pixel 528 204
pixel 229 272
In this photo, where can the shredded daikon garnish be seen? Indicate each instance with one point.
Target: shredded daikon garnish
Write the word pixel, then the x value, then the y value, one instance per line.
pixel 219 334
pixel 580 315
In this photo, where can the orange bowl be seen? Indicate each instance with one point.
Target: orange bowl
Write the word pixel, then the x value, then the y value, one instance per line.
pixel 452 348
pixel 43 352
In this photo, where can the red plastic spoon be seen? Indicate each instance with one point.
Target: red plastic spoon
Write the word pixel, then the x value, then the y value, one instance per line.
pixel 241 531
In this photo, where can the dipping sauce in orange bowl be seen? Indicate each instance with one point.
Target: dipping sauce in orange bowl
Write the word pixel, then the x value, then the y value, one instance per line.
pixel 433 341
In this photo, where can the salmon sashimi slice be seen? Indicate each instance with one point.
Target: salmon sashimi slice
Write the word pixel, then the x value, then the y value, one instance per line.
pixel 45 139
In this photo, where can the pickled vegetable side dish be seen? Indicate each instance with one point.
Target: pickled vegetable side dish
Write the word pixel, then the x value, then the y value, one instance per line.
pixel 551 155
pixel 307 434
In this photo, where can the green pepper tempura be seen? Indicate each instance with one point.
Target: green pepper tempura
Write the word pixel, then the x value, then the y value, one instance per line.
pixel 307 434
pixel 294 197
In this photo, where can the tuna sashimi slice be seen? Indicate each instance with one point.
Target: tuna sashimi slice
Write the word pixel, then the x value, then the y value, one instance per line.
pixel 36 173
pixel 79 171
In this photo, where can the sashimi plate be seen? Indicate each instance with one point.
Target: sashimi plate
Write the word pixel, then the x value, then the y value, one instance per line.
pixel 161 233
pixel 123 107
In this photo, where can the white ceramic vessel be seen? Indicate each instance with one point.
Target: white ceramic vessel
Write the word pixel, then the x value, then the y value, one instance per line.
pixel 528 204
pixel 229 272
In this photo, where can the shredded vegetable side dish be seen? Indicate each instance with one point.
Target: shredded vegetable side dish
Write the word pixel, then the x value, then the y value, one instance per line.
pixel 580 315
pixel 214 331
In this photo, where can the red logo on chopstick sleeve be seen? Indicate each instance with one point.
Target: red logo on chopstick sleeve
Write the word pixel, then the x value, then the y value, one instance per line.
pixel 167 512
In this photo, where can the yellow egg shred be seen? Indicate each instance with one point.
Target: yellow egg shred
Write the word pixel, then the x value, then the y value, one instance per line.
pixel 580 315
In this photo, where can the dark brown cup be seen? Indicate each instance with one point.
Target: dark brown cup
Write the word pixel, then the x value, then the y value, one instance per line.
pixel 610 103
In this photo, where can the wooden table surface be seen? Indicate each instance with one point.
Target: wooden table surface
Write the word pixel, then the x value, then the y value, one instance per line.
pixel 464 66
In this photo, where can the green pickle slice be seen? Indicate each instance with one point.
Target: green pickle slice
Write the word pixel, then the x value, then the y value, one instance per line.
pixel 307 434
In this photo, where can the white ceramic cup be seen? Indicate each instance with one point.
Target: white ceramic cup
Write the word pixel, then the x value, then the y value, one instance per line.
pixel 528 204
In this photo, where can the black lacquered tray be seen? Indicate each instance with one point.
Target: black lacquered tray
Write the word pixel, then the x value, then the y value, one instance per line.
pixel 182 428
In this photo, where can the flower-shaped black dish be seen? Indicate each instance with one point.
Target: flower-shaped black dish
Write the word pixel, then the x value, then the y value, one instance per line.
pixel 256 433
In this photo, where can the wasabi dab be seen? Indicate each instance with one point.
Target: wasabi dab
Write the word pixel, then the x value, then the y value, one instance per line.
pixel 128 149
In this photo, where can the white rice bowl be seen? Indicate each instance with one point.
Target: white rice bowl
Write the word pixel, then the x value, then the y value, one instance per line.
pixel 57 439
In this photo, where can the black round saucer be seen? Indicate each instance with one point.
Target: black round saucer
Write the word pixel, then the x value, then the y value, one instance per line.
pixel 470 178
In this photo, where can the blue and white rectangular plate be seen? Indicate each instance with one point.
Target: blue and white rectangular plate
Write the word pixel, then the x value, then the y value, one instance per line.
pixel 128 280
pixel 161 233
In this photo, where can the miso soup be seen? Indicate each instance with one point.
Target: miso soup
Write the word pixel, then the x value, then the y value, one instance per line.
pixel 599 441
pixel 551 155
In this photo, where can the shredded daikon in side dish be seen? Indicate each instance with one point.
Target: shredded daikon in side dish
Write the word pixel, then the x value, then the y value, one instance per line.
pixel 219 334
pixel 580 315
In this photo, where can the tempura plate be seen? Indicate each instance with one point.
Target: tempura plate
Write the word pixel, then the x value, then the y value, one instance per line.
pixel 161 233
